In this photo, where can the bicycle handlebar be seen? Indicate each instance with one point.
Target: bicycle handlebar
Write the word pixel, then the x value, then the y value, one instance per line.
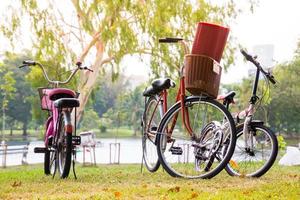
pixel 169 40
pixel 27 63
pixel 253 60
pixel 176 40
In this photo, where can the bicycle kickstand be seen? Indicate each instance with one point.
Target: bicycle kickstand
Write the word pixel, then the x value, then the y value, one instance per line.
pixel 142 163
pixel 56 164
pixel 73 163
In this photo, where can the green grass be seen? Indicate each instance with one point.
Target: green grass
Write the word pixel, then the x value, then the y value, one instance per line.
pixel 127 182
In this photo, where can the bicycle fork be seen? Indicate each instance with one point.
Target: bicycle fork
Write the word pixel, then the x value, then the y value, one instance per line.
pixel 248 135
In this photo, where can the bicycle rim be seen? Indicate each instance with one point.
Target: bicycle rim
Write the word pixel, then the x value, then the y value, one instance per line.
pixel 257 162
pixel 64 149
pixel 204 155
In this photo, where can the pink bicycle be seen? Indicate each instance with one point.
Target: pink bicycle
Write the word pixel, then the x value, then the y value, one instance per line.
pixel 60 135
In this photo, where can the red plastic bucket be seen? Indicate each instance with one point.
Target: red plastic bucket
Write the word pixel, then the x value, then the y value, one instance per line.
pixel 210 40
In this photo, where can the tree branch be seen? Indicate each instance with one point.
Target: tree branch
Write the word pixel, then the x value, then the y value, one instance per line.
pixel 89 46
pixel 106 60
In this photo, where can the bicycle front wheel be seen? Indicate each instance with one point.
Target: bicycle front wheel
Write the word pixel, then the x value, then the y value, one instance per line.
pixel 64 144
pixel 202 153
pixel 256 161
pixel 150 122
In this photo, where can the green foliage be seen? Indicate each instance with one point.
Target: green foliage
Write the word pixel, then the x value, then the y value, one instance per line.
pixel 122 27
pixel 103 129
pixel 285 98
pixel 106 92
pixel 18 107
pixel 90 120
pixel 7 88
pixel 280 106
pixel 106 31
pixel 281 142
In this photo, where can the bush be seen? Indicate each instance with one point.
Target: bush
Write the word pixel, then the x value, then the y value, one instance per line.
pixel 281 142
pixel 103 129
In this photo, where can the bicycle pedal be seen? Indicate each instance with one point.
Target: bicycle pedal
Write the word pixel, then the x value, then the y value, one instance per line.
pixel 154 128
pixel 176 150
pixel 40 150
pixel 76 140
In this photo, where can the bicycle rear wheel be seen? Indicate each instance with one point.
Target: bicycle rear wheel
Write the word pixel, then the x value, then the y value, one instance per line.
pixel 260 159
pixel 150 122
pixel 64 144
pixel 208 150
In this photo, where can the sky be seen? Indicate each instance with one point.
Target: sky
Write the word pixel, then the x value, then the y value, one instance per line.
pixel 273 22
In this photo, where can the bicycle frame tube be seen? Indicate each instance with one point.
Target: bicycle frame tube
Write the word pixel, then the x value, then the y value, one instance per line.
pixel 184 113
pixel 158 104
pixel 49 130
pixel 52 124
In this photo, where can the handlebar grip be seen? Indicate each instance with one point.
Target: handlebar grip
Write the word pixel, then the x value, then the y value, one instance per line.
pixel 271 79
pixel 169 40
pixel 86 68
pixel 246 55
pixel 29 62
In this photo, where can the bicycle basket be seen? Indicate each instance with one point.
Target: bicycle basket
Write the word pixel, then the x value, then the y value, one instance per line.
pixel 202 75
pixel 46 103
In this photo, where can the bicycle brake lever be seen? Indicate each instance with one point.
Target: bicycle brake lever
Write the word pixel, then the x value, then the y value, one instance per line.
pixel 22 66
pixel 86 68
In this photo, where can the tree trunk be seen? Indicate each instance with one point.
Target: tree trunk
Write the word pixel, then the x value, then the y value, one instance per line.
pixel 25 129
pixel 88 80
pixel 11 131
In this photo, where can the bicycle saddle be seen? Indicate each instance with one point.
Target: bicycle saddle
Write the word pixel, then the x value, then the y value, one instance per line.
pixel 158 85
pixel 227 97
pixel 66 103
pixel 163 83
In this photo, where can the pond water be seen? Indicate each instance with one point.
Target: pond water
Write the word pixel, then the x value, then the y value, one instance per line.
pixel 130 152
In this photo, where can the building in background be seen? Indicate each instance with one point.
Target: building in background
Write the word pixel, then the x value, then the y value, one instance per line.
pixel 265 55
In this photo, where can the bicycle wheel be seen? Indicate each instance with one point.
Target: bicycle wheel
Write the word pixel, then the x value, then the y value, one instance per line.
pixel 151 119
pixel 208 150
pixel 257 162
pixel 64 145
pixel 49 156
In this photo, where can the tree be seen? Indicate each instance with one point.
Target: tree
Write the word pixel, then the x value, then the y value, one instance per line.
pixel 90 120
pixel 106 92
pixel 285 103
pixel 106 31
pixel 18 108
pixel 132 105
pixel 7 83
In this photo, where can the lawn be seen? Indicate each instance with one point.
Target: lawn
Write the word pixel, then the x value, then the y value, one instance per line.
pixel 127 182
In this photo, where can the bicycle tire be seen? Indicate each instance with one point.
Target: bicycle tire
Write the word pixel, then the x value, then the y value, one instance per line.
pixel 228 148
pixel 49 157
pixel 148 144
pixel 232 170
pixel 64 145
